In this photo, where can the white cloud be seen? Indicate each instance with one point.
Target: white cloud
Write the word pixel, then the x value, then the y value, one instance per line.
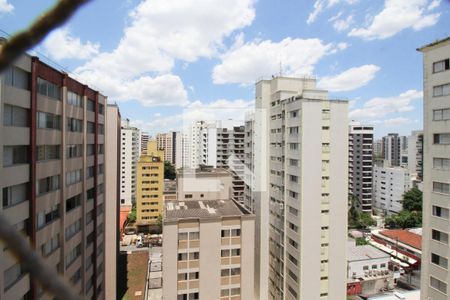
pixel 396 121
pixel 321 5
pixel 379 108
pixel 343 24
pixel 247 62
pixel 350 79
pixel 61 44
pixel 434 4
pixel 219 110
pixel 398 15
pixel 5 7
pixel 160 32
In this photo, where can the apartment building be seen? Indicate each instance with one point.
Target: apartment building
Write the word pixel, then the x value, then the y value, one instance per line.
pixel 145 137
pixel 53 176
pixel 204 183
pixel 415 155
pixel 305 199
pixel 391 150
pixel 389 185
pixel 150 185
pixel 172 144
pixel 360 165
pixel 378 148
pixel 208 250
pixel 129 155
pixel 436 171
pixel 112 196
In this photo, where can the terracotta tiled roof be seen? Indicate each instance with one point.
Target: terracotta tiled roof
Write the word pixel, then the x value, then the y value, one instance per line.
pixel 405 237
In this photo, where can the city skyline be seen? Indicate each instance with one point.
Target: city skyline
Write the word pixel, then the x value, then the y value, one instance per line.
pixel 214 62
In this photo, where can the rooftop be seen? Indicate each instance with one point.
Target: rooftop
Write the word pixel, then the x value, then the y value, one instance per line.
pixel 202 209
pixel 435 43
pixel 203 171
pixel 366 252
pixel 405 237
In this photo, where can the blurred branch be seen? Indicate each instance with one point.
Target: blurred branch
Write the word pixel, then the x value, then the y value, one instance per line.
pixel 27 39
pixel 33 263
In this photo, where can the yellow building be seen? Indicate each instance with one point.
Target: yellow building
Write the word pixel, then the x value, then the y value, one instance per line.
pixel 150 185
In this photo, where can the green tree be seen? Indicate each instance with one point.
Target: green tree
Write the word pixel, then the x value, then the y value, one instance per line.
pixel 169 171
pixel 132 215
pixel 404 219
pixel 412 200
pixel 361 241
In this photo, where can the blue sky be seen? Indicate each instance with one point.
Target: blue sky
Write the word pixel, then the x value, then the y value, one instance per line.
pixel 165 61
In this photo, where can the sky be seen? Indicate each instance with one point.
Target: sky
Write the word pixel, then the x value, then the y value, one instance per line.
pixel 169 62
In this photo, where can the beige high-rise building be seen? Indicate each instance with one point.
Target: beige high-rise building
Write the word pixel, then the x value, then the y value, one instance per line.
pixel 300 167
pixel 172 144
pixel 436 171
pixel 52 176
pixel 208 250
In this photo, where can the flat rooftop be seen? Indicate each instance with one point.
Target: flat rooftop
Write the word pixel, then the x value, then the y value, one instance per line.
pixel 202 209
pixel 366 252
pixel 203 172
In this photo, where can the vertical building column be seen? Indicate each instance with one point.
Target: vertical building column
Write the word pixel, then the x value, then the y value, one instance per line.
pixel 95 194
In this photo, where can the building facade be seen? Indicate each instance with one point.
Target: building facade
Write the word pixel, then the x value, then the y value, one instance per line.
pixel 129 155
pixel 389 185
pixel 360 166
pixel 172 144
pixel 208 250
pixel 307 190
pixel 145 138
pixel 53 176
pixel 150 185
pixel 436 171
pixel 391 151
pixel 415 155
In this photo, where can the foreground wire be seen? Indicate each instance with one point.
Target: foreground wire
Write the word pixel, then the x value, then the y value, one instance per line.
pixel 25 40
pixel 33 263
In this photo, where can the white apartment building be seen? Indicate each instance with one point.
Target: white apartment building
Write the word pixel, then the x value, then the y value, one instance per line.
pixel 360 165
pixel 378 148
pixel 172 144
pixel 436 171
pixel 144 138
pixel 208 250
pixel 129 154
pixel 389 185
pixel 304 203
pixel 415 155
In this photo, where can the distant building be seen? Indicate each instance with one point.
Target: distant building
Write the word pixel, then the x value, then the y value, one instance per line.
pixel 392 149
pixel 170 190
pixel 436 168
pixel 129 155
pixel 378 149
pixel 368 270
pixel 150 185
pixel 389 185
pixel 204 183
pixel 144 139
pixel 360 165
pixel 172 144
pixel 208 250
pixel 415 155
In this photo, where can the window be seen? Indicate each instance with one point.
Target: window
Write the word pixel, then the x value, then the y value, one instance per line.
pixel 47 152
pixel 438 285
pixel 440 212
pixel 441 187
pixel 441 138
pixel 48 121
pixel 12 275
pixel 73 255
pixel 439 236
pixel 90 172
pixel 293 146
pixel 15 116
pixel 47 216
pixel 90 194
pixel 73 177
pixel 74 150
pixel 101 149
pixel 90 105
pixel 17 77
pixel 50 246
pixel 74 125
pixel 439 260
pixel 293 162
pixel 441 90
pixel 90 149
pixel 441 114
pixel 235 252
pixel 293 211
pixel 15 194
pixel 90 238
pixel 441 66
pixel 46 185
pixel 89 217
pixel 293 130
pixel 76 276
pixel 101 168
pixel 293 178
pixel 90 127
pixel 73 229
pixel 48 89
pixel 73 202
pixel 441 164
pixel 15 155
pixel 101 129
pixel 74 99
pixel 188 196
pixel 101 109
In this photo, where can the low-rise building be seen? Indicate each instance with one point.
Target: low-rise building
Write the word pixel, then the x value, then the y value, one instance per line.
pixel 208 250
pixel 204 183
pixel 368 270
pixel 170 190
